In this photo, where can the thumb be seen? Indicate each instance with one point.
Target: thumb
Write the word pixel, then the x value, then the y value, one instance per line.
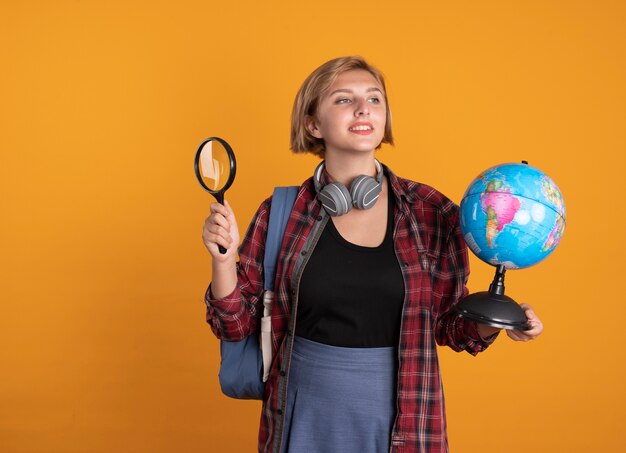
pixel 231 213
pixel 227 205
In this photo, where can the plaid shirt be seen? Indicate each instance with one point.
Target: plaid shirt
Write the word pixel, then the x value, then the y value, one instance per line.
pixel 433 258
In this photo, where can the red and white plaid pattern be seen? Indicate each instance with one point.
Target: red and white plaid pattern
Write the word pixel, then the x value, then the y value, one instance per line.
pixel 434 262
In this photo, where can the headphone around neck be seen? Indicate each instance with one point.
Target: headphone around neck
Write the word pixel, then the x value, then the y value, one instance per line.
pixel 338 200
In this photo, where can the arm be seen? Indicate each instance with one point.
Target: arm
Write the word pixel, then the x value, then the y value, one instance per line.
pixel 235 293
pixel 449 286
pixel 463 334
pixel 220 228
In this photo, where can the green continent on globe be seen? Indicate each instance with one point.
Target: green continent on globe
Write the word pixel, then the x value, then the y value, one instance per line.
pixel 553 195
pixel 499 206
pixel 555 235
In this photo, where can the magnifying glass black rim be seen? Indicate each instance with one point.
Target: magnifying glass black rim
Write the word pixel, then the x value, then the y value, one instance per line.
pixel 231 159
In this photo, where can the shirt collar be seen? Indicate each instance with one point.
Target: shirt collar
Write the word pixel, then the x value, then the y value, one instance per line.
pixel 404 193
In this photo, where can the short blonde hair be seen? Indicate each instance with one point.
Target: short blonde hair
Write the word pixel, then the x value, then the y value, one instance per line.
pixel 308 99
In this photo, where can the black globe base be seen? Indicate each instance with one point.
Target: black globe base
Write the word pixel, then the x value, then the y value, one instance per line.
pixel 493 307
pixel 493 310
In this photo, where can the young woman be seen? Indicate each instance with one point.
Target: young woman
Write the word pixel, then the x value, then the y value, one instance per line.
pixel 369 273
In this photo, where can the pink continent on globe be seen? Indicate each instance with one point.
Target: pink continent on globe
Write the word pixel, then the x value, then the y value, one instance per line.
pixel 505 205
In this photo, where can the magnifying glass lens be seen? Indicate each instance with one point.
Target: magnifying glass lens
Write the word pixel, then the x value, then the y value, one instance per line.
pixel 214 165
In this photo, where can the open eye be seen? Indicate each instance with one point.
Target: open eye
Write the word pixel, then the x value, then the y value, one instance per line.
pixel 342 101
pixel 374 100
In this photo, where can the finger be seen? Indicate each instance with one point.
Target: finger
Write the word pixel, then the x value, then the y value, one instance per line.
pixel 217 219
pixel 218 208
pixel 536 330
pixel 531 316
pixel 533 320
pixel 213 240
pixel 512 335
pixel 216 232
pixel 529 312
pixel 516 335
pixel 221 240
pixel 212 231
pixel 231 214
pixel 526 335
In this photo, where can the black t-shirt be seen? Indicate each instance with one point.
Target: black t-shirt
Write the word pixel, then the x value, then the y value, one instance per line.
pixel 351 295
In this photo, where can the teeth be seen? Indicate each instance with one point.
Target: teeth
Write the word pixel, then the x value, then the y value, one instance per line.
pixel 361 128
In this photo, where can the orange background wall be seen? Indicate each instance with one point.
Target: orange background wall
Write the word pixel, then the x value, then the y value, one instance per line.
pixel 103 344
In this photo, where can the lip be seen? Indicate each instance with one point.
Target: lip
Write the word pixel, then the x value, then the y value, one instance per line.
pixel 362 123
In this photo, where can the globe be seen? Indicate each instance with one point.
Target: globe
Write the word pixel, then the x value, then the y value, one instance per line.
pixel 512 215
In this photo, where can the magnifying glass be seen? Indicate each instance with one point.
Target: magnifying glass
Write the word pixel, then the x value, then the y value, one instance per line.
pixel 215 167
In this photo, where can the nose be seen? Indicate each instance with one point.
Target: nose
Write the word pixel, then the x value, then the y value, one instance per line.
pixel 362 108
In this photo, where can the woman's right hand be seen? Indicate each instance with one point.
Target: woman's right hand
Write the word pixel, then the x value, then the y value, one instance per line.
pixel 220 228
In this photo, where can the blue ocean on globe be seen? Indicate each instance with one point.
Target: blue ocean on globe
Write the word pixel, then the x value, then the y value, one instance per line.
pixel 512 214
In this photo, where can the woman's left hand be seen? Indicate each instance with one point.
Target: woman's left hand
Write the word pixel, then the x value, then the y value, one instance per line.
pixel 535 322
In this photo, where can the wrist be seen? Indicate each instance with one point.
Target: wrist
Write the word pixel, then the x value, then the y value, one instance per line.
pixel 224 262
pixel 486 333
pixel 224 277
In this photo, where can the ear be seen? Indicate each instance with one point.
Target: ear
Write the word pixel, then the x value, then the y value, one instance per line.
pixel 311 126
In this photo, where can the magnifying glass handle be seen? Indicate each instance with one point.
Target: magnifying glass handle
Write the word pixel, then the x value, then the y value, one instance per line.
pixel 220 199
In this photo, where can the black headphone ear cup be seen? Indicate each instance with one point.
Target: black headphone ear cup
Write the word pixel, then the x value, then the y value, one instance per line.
pixel 336 199
pixel 365 191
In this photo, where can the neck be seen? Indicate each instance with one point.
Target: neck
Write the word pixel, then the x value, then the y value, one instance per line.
pixel 345 167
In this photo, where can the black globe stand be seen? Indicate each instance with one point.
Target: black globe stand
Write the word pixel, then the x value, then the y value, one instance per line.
pixel 493 307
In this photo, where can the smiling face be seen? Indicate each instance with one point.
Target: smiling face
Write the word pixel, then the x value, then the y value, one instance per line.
pixel 351 114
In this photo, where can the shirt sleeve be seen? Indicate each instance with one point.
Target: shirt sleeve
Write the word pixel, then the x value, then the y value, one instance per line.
pixel 449 285
pixel 238 315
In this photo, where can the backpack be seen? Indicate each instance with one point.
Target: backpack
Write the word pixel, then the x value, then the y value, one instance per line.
pixel 245 365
